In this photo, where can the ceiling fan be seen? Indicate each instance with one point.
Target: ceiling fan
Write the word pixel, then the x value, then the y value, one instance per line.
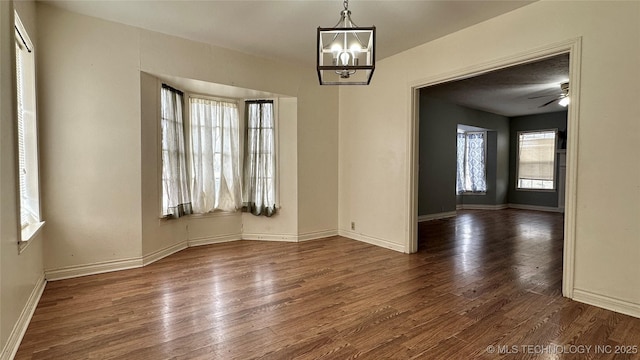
pixel 562 99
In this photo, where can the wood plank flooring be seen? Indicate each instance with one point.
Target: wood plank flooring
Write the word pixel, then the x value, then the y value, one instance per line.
pixel 483 284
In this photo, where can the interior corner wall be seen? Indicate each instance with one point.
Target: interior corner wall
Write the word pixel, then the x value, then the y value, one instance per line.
pixel 21 274
pixel 317 158
pixel 555 120
pixel 439 120
pixel 376 129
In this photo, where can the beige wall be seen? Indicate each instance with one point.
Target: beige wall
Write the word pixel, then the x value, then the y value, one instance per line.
pixel 373 157
pixel 374 123
pixel 317 158
pixel 21 274
pixel 101 141
pixel 89 86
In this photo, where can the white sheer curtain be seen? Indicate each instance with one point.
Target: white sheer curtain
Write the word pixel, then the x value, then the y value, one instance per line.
pixel 472 174
pixel 259 194
pixel 462 148
pixel 175 189
pixel 215 157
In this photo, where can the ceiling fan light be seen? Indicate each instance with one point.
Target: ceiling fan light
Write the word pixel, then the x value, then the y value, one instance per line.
pixel 564 101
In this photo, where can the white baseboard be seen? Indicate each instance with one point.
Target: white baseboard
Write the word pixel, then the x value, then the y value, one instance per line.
pixel 442 215
pixel 372 240
pixel 606 302
pixel 214 239
pixel 162 253
pixel 317 235
pixel 92 269
pixel 481 207
pixel 270 237
pixel 115 265
pixel 535 208
pixel 264 237
pixel 20 328
pixel 504 206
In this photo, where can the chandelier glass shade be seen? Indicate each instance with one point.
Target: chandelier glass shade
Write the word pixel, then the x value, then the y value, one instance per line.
pixel 346 54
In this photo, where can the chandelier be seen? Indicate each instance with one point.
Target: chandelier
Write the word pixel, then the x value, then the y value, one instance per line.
pixel 346 52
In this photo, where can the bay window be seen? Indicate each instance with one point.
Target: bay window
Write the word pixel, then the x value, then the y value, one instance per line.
pixel 202 168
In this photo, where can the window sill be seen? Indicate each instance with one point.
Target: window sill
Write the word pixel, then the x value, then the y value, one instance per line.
pixel 29 233
pixel 472 193
pixel 214 214
pixel 536 190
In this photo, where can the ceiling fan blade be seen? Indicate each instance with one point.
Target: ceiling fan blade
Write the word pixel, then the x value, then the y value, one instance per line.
pixel 547 103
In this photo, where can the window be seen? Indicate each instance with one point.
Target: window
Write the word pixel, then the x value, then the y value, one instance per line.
pixel 471 162
pixel 259 193
pixel 27 134
pixel 536 159
pixel 175 189
pixel 215 155
pixel 200 156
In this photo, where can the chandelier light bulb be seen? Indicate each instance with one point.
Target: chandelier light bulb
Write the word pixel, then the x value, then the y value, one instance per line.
pixel 344 58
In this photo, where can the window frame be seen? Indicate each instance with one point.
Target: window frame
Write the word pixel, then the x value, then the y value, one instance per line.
pixel 554 166
pixel 276 139
pixel 161 150
pixel 28 137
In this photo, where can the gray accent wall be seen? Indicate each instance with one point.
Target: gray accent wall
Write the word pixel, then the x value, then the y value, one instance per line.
pixel 556 120
pixel 437 156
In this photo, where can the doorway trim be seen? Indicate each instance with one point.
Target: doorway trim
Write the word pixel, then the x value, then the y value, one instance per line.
pixel 573 47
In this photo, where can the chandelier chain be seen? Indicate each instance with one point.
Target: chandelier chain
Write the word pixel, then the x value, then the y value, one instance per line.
pixel 345 3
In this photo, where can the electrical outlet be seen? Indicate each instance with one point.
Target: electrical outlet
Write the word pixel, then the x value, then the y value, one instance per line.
pixel 353 225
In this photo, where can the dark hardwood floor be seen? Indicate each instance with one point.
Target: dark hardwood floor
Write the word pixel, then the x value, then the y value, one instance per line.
pixel 483 284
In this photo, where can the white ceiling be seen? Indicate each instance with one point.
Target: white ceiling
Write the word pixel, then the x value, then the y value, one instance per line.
pixel 286 31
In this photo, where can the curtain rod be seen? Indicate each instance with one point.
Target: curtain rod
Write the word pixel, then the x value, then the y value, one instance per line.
pixel 172 89
pixel 259 101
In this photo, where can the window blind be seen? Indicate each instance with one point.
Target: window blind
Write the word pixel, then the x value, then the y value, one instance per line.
pixel 22 163
pixel 536 155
